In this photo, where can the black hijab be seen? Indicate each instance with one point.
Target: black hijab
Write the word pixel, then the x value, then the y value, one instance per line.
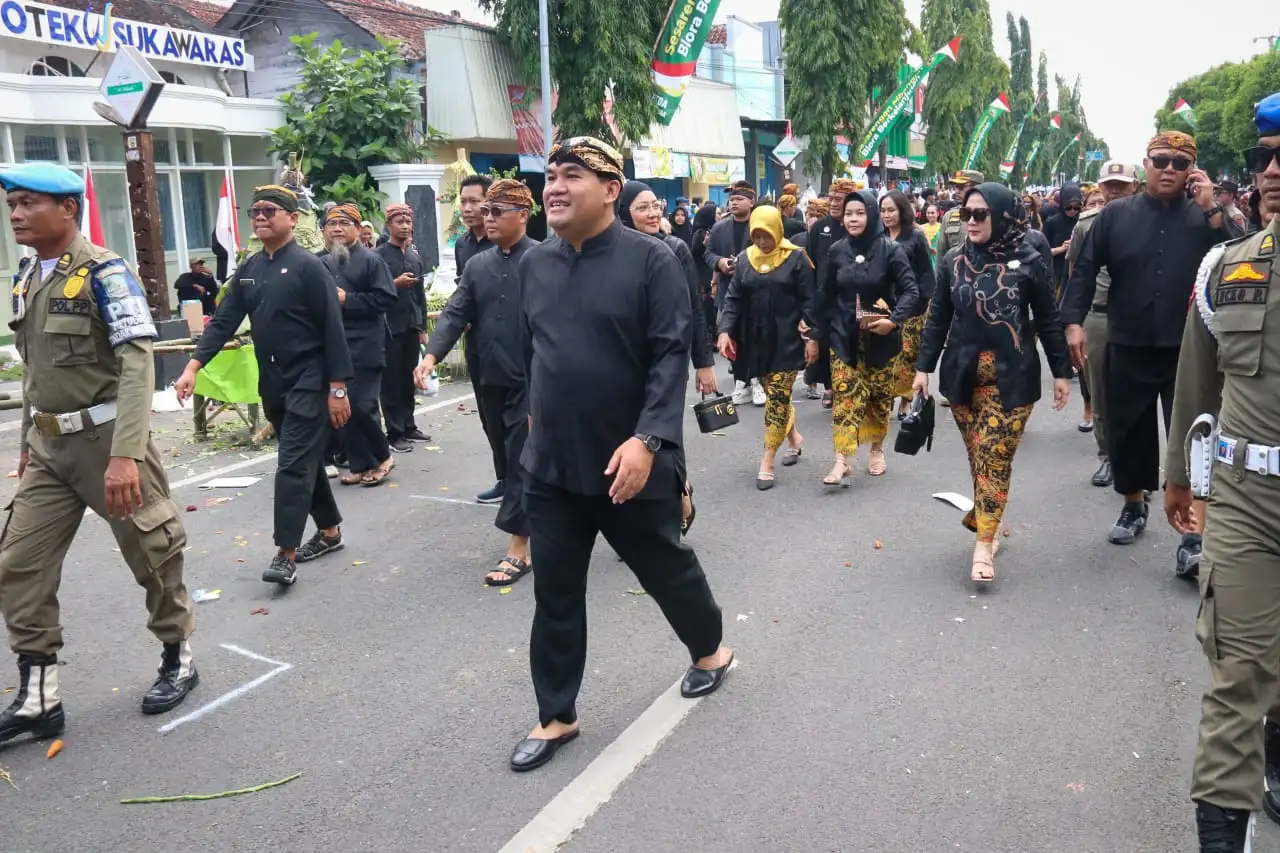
pixel 630 190
pixel 874 230
pixel 705 218
pixel 683 230
pixel 1008 225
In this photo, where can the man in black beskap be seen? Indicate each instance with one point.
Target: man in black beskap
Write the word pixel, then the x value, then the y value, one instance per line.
pixel 1152 244
pixel 471 197
pixel 605 308
pixel 406 328
pixel 729 238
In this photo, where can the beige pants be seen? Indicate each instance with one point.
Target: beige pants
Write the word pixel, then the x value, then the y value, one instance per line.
pixel 1095 367
pixel 65 475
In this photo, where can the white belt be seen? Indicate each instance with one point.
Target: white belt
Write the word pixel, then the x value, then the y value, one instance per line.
pixel 1259 458
pixel 72 422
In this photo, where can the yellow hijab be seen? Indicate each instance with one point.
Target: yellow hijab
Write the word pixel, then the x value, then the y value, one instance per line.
pixel 768 220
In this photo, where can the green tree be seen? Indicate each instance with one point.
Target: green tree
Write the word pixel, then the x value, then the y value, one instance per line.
pixel 350 111
pixel 1022 94
pixel 959 93
pixel 836 53
pixel 1038 129
pixel 599 49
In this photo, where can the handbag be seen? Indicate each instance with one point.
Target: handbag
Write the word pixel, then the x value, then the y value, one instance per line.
pixel 916 430
pixel 715 413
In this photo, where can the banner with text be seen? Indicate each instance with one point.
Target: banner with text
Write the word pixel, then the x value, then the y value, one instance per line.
pixel 675 56
pixel 897 102
pixel 978 141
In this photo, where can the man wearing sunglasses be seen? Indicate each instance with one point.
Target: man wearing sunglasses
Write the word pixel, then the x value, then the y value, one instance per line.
pixel 1228 368
pixel 1152 244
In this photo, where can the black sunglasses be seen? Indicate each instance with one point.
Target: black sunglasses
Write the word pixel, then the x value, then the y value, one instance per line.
pixel 264 210
pixel 496 211
pixel 1180 164
pixel 979 216
pixel 1259 158
pixel 1074 206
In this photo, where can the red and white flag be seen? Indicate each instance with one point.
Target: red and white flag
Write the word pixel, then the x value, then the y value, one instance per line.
pixel 1056 122
pixel 90 218
pixel 226 230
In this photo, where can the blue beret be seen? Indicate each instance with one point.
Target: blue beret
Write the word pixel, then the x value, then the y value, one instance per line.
pixel 42 178
pixel 1267 117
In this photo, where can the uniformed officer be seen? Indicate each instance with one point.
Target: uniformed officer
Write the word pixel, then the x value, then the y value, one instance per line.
pixel 1118 180
pixel 84 331
pixel 951 234
pixel 1228 367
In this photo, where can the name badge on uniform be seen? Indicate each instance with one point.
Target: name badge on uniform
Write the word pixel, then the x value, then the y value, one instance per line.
pixel 80 307
pixel 1226 451
pixel 245 281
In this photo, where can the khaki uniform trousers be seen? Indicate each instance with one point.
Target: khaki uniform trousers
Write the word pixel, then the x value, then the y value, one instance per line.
pixel 64 475
pixel 1095 369
pixel 1239 628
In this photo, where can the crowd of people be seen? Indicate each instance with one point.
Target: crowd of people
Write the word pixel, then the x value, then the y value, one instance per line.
pixel 1152 287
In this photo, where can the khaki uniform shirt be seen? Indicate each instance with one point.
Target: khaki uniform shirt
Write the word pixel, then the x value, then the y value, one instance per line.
pixel 84 333
pixel 1230 360
pixel 1087 219
pixel 952 233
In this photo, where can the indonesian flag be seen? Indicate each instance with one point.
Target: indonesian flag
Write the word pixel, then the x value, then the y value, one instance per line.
pixel 1183 109
pixel 1001 104
pixel 90 218
pixel 226 230
pixel 1056 121
pixel 951 50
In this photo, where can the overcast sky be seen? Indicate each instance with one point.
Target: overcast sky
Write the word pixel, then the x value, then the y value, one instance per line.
pixel 1128 52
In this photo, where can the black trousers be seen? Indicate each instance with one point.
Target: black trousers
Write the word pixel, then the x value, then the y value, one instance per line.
pixel 301 423
pixel 362 437
pixel 710 315
pixel 397 383
pixel 491 400
pixel 1139 391
pixel 515 427
pixel 646 534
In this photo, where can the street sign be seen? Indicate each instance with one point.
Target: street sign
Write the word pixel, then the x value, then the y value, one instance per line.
pixel 786 151
pixel 131 85
pixel 1095 155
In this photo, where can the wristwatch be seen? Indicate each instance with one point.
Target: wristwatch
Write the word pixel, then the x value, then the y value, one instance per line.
pixel 652 442
pixel 338 393
pixel 1216 209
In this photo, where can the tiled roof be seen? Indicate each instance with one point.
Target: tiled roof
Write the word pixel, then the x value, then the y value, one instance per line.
pixel 393 20
pixel 191 13
pixel 208 13
pixel 719 35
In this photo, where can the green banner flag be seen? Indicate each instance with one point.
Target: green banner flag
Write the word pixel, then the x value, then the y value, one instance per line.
pixel 898 101
pixel 1063 153
pixel 675 56
pixel 1011 155
pixel 1031 159
pixel 978 140
pixel 1183 109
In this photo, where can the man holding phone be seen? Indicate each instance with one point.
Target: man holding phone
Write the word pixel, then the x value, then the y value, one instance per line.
pixel 728 238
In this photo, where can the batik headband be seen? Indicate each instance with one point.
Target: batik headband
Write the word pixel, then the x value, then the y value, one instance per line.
pixel 344 211
pixel 1182 143
pixel 512 192
pixel 284 197
pixel 394 210
pixel 843 186
pixel 590 153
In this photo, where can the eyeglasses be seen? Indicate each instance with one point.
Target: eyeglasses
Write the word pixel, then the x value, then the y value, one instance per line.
pixel 1180 164
pixel 496 211
pixel 266 211
pixel 1259 158
pixel 647 207
pixel 979 216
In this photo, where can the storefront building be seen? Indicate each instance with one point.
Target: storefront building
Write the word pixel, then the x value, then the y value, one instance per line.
pixel 50 73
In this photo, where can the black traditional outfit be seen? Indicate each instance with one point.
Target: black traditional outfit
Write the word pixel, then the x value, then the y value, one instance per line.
pixel 703 221
pixel 406 321
pixel 466 248
pixel 1058 229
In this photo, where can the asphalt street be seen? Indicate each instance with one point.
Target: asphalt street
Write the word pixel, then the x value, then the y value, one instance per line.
pixel 880 702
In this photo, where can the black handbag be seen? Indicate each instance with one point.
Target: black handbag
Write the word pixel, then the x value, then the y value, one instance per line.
pixel 715 413
pixel 916 430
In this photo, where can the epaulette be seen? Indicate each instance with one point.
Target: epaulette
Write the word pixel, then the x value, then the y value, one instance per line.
pixel 1203 299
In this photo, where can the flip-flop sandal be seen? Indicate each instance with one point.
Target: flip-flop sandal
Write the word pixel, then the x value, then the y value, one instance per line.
pixel 377 475
pixel 982 571
pixel 876 465
pixel 515 569
pixel 352 479
pixel 792 456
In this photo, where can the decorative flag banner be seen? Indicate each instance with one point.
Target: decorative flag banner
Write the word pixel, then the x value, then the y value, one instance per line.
pixel 1063 153
pixel 1056 121
pixel 978 141
pixel 675 56
pixel 1011 155
pixel 897 103
pixel 1184 111
pixel 226 231
pixel 90 217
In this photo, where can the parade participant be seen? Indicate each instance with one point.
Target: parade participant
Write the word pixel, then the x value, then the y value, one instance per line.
pixel 604 462
pixel 198 285
pixel 84 331
pixel 931 226
pixel 729 238
pixel 703 221
pixel 824 234
pixel 900 225
pixel 367 235
pixel 1152 244
pixel 1058 228
pixel 291 301
pixel 487 303
pixel 471 197
pixel 868 294
pixel 1226 193
pixel 952 232
pixel 789 207
pixel 406 329
pixel 769 297
pixel 1228 368
pixel 366 293
pixel 994 299
pixel 1118 180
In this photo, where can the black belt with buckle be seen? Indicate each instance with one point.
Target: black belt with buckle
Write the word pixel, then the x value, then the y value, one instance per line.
pixel 1098 309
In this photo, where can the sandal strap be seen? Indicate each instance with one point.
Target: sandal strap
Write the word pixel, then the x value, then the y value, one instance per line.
pixel 519 565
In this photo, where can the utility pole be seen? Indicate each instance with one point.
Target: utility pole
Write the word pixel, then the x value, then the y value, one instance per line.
pixel 544 46
pixel 1270 40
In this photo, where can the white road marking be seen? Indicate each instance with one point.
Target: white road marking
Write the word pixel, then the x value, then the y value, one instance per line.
pixel 232 695
pixel 452 501
pixel 570 810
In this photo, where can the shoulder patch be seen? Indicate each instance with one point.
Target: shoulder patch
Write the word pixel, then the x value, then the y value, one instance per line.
pixel 1268 245
pixel 123 303
pixel 64 263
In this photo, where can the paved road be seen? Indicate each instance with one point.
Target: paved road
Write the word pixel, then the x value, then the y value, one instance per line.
pixel 880 703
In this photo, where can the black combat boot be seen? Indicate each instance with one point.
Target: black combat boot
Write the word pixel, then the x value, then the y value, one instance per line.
pixel 38 708
pixel 178 677
pixel 1224 830
pixel 1271 749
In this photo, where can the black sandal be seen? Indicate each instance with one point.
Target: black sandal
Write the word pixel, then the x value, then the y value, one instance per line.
pixel 515 569
pixel 686 522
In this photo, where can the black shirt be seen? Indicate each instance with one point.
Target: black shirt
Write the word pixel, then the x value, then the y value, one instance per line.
pixel 879 272
pixel 369 295
pixel 467 247
pixel 1152 249
pixel 488 302
pixel 606 339
pixel 410 310
pixel 295 321
pixel 916 245
pixel 824 234
pixel 186 287
pixel 700 352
